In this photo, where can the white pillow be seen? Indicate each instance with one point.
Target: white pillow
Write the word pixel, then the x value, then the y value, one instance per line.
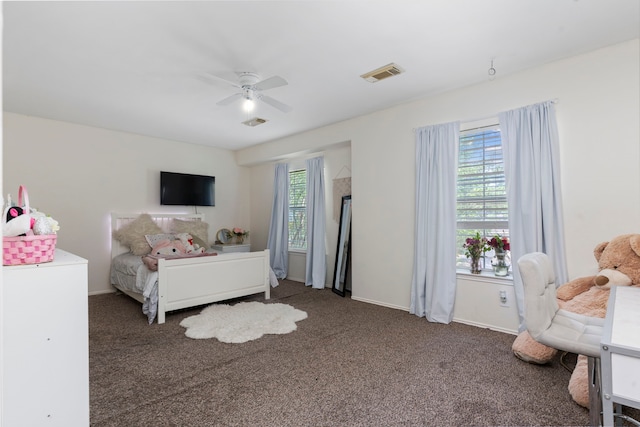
pixel 133 234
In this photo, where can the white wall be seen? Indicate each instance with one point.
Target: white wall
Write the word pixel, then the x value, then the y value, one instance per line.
pixel 80 174
pixel 598 115
pixel 493 313
pixel 337 163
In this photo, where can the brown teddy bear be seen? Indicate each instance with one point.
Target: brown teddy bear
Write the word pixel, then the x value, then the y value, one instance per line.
pixel 619 265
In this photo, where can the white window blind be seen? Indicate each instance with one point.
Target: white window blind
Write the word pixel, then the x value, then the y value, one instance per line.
pixel 481 190
pixel 298 209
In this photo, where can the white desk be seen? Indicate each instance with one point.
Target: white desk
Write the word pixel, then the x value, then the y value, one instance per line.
pixel 620 352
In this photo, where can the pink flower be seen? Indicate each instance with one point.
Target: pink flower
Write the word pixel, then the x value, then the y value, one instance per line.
pixel 237 231
pixel 476 246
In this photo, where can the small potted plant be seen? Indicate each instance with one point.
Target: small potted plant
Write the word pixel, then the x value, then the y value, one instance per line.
pixel 239 234
pixel 475 247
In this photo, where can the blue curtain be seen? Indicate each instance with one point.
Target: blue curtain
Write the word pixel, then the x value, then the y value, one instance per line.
pixel 278 241
pixel 433 287
pixel 532 172
pixel 316 269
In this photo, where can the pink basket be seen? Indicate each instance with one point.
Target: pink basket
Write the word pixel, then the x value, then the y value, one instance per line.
pixel 33 249
pixel 28 249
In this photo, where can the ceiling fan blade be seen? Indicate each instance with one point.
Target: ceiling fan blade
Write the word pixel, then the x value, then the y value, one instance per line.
pixel 208 78
pixel 270 83
pixel 276 104
pixel 228 100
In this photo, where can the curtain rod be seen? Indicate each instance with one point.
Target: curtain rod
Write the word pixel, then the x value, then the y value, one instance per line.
pixel 490 116
pixel 480 127
pixel 477 119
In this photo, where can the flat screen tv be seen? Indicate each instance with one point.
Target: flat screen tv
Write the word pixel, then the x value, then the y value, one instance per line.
pixel 186 189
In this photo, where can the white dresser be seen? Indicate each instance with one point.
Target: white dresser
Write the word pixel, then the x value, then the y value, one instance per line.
pixel 45 356
pixel 231 247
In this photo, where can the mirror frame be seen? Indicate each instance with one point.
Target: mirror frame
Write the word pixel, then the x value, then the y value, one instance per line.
pixel 223 236
pixel 343 250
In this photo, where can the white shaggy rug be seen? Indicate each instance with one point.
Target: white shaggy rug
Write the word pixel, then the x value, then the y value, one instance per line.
pixel 245 321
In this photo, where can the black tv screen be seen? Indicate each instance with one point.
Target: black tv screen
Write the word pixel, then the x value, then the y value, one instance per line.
pixel 187 190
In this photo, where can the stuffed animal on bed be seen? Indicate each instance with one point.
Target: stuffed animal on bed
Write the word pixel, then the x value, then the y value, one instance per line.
pixel 178 244
pixel 619 265
pixel 169 247
pixel 163 247
pixel 189 246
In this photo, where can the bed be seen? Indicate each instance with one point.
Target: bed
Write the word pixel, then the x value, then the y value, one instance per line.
pixel 181 282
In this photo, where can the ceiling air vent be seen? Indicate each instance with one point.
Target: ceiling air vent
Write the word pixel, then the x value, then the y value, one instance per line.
pixel 254 122
pixel 382 73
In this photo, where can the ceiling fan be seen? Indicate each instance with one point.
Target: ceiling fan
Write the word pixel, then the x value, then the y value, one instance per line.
pixel 251 90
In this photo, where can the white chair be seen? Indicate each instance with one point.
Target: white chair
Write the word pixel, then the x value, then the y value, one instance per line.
pixel 557 328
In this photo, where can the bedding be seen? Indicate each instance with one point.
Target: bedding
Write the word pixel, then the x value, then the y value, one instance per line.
pixel 124 269
pixel 178 281
pixel 129 273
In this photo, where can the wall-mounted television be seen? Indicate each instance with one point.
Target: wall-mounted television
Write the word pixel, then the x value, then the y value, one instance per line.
pixel 186 189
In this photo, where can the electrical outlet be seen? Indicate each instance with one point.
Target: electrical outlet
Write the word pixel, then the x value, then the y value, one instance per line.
pixel 504 301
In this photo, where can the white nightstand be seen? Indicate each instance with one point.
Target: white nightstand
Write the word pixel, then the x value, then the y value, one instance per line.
pixel 231 247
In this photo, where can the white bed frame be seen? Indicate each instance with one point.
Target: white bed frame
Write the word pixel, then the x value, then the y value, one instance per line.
pixel 190 282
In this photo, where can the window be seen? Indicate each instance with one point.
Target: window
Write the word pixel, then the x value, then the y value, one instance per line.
pixel 298 209
pixel 481 191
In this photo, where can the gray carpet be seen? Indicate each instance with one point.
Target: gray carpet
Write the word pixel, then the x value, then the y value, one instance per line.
pixel 348 364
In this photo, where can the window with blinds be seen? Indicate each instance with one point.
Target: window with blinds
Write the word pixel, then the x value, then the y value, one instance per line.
pixel 481 190
pixel 298 209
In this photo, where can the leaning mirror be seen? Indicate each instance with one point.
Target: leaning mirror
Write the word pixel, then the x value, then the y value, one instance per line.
pixel 343 251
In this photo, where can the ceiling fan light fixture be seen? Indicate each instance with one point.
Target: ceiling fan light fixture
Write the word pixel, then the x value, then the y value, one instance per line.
pixel 249 105
pixel 382 73
pixel 256 121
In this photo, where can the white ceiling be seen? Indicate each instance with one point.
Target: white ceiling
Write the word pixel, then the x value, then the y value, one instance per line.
pixel 142 67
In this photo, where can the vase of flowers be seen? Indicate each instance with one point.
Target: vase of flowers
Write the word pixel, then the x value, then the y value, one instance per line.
pixel 239 234
pixel 501 248
pixel 475 247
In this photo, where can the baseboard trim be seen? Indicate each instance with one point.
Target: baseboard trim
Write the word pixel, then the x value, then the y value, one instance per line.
pixel 485 326
pixel 466 322
pixel 382 304
pixel 105 291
